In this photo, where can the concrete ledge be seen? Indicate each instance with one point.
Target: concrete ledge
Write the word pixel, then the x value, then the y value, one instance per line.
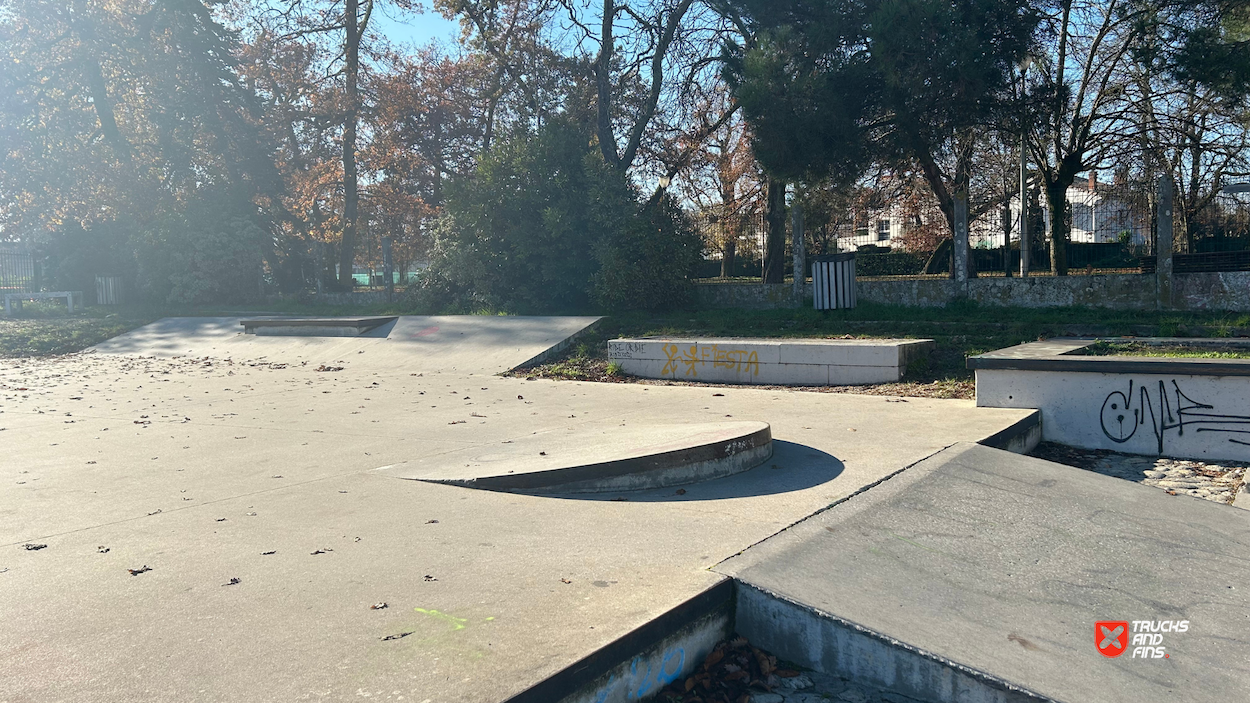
pixel 637 458
pixel 1182 408
pixel 312 326
pixel 812 362
pixel 980 575
pixel 1021 438
pixel 556 349
pixel 832 645
pixel 1056 355
pixel 645 660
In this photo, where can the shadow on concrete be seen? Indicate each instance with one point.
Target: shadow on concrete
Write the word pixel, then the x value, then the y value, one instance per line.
pixel 382 331
pixel 170 334
pixel 793 467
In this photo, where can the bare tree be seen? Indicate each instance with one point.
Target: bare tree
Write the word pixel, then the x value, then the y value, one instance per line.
pixel 1082 89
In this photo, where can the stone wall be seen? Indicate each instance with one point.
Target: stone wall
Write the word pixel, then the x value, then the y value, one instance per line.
pixel 1229 290
pixel 1191 291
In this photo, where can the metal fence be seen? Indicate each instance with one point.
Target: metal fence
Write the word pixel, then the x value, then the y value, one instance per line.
pixel 1111 231
pixel 18 272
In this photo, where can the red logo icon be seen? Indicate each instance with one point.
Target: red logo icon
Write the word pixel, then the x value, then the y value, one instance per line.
pixel 1111 636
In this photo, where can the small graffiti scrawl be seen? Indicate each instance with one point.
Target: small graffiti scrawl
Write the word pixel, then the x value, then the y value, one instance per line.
pixel 696 356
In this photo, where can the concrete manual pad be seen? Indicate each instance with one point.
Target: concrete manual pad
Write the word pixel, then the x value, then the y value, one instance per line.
pixel 247 462
pixel 796 362
pixel 605 459
pixel 313 326
pixel 1002 564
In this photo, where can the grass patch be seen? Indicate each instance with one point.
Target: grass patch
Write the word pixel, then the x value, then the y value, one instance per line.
pixel 21 337
pixel 1105 348
pixel 960 330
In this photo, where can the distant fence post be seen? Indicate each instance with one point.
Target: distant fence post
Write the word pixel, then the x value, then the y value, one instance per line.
pixel 1163 243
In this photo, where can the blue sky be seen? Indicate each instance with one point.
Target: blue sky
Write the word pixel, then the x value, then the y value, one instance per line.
pixel 411 28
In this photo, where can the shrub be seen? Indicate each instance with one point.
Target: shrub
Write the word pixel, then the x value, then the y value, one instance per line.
pixel 208 252
pixel 544 225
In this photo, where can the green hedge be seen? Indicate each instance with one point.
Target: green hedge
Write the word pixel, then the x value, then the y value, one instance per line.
pixel 896 263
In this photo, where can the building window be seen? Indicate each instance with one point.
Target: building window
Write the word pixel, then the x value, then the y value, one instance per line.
pixel 883 230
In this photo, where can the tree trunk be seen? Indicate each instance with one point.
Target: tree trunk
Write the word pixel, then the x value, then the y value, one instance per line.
pixel 603 87
pixel 729 252
pixel 1007 228
pixel 351 196
pixel 775 251
pixel 1060 226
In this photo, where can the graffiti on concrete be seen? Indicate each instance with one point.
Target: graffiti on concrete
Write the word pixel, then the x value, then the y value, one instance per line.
pixel 1123 413
pixel 629 350
pixel 642 682
pixel 697 356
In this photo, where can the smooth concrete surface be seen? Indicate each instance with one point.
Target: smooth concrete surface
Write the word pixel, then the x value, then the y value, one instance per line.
pixel 999 566
pixel 208 456
pixel 603 457
pixel 800 362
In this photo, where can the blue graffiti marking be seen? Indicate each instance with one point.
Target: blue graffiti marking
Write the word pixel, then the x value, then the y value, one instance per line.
pixel 662 678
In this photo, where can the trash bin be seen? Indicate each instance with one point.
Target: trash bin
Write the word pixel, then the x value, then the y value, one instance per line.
pixel 108 290
pixel 833 281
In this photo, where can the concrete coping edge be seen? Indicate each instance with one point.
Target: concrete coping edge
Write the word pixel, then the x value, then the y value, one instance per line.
pixel 584 671
pixel 1056 355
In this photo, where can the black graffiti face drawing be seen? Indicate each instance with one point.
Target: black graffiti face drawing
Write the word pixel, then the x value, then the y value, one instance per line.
pixel 1118 422
pixel 1169 410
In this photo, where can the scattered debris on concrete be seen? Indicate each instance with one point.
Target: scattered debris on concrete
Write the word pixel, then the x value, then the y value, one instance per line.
pixel 1216 481
pixel 736 672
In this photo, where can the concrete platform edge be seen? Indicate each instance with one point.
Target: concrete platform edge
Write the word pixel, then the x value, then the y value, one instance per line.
pixel 646 659
pixel 1021 438
pixel 555 350
pixel 831 645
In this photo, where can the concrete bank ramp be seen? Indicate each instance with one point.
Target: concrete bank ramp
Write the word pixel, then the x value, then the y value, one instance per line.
pixel 599 459
pixel 980 575
pixel 460 343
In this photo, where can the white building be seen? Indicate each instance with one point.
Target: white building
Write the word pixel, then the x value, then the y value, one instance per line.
pixel 1097 216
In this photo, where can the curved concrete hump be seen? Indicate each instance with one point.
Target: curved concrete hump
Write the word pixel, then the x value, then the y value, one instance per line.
pixel 619 459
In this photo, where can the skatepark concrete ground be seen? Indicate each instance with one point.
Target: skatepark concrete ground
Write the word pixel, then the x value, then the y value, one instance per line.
pixel 222 512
